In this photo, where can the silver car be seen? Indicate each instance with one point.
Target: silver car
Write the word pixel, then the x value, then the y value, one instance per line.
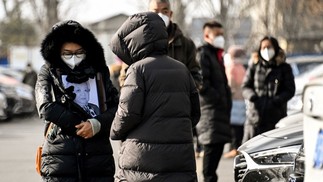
pixel 269 156
pixel 19 97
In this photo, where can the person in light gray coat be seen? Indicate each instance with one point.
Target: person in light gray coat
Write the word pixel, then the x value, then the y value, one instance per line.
pixel 158 106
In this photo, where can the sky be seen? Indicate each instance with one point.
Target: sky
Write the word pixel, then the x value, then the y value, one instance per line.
pixel 95 10
pixel 90 10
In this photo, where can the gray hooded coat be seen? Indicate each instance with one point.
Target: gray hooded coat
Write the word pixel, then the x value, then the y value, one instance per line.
pixel 158 106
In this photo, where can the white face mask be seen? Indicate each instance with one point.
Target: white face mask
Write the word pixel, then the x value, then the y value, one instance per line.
pixel 267 54
pixel 218 42
pixel 165 18
pixel 74 60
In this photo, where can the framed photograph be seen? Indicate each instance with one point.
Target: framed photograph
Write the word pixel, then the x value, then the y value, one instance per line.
pixel 86 95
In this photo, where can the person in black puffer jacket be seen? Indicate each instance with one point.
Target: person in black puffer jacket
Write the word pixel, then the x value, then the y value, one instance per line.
pixel 77 146
pixel 213 128
pixel 267 86
pixel 158 106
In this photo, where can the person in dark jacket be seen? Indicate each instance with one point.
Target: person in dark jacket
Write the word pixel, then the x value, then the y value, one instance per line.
pixel 30 76
pixel 268 85
pixel 77 146
pixel 158 106
pixel 180 47
pixel 215 98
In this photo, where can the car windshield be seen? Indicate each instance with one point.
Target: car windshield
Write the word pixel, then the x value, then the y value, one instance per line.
pixel 303 64
pixel 304 67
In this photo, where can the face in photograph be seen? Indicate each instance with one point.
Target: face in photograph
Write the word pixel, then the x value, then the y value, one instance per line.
pixel 82 92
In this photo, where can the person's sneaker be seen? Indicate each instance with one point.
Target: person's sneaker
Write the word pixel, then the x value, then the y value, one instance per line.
pixel 231 154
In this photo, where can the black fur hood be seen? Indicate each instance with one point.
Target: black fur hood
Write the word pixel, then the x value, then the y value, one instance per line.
pixel 72 31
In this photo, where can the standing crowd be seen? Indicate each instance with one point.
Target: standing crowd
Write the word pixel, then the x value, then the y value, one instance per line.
pixel 169 92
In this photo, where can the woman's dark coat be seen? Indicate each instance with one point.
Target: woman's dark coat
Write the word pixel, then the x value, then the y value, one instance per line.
pixel 66 156
pixel 158 106
pixel 267 86
pixel 215 99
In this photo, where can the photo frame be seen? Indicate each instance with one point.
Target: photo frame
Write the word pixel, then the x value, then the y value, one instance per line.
pixel 87 95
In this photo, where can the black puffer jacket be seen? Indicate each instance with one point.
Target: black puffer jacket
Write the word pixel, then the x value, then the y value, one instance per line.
pixel 158 106
pixel 215 98
pixel 65 156
pixel 180 48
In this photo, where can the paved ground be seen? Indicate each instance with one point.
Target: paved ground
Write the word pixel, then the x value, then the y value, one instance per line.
pixel 20 137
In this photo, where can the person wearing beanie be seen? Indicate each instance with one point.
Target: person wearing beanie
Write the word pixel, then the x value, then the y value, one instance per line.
pixel 76 146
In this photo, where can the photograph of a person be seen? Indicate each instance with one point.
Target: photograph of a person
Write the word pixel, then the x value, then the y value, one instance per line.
pixel 85 95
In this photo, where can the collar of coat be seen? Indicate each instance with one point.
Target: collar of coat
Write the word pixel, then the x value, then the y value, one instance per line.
pixel 174 32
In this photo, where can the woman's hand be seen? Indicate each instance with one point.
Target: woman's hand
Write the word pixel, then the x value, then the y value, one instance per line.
pixel 84 130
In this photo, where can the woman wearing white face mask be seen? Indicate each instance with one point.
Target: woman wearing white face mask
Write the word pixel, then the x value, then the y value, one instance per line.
pixel 72 54
pixel 77 145
pixel 267 86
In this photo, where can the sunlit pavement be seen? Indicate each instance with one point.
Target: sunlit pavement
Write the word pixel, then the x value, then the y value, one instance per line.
pixel 20 137
pixel 225 169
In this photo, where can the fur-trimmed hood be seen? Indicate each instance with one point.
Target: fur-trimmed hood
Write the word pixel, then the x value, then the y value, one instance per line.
pixel 72 31
pixel 140 36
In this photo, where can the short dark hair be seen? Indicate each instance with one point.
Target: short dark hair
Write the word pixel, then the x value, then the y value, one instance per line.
pixel 161 1
pixel 212 24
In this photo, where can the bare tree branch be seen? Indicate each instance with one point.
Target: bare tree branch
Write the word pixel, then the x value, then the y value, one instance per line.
pixel 4 2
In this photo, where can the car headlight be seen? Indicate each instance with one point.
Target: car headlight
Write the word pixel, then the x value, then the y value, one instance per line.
pixel 276 156
pixel 299 165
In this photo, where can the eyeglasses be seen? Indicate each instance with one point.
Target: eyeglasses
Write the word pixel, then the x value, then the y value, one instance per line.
pixel 69 55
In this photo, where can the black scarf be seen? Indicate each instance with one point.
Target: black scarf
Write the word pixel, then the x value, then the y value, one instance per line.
pixel 79 74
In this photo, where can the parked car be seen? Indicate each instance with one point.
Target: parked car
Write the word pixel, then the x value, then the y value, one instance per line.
pixel 304 78
pixel 3 107
pixel 305 69
pixel 303 63
pixel 15 73
pixel 313 132
pixel 20 97
pixel 269 156
pixel 294 118
pixel 299 167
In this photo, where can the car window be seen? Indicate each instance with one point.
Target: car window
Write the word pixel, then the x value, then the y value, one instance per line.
pixel 304 67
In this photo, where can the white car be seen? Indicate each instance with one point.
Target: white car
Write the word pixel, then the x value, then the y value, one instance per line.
pixel 303 63
pixel 305 68
pixel 313 130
